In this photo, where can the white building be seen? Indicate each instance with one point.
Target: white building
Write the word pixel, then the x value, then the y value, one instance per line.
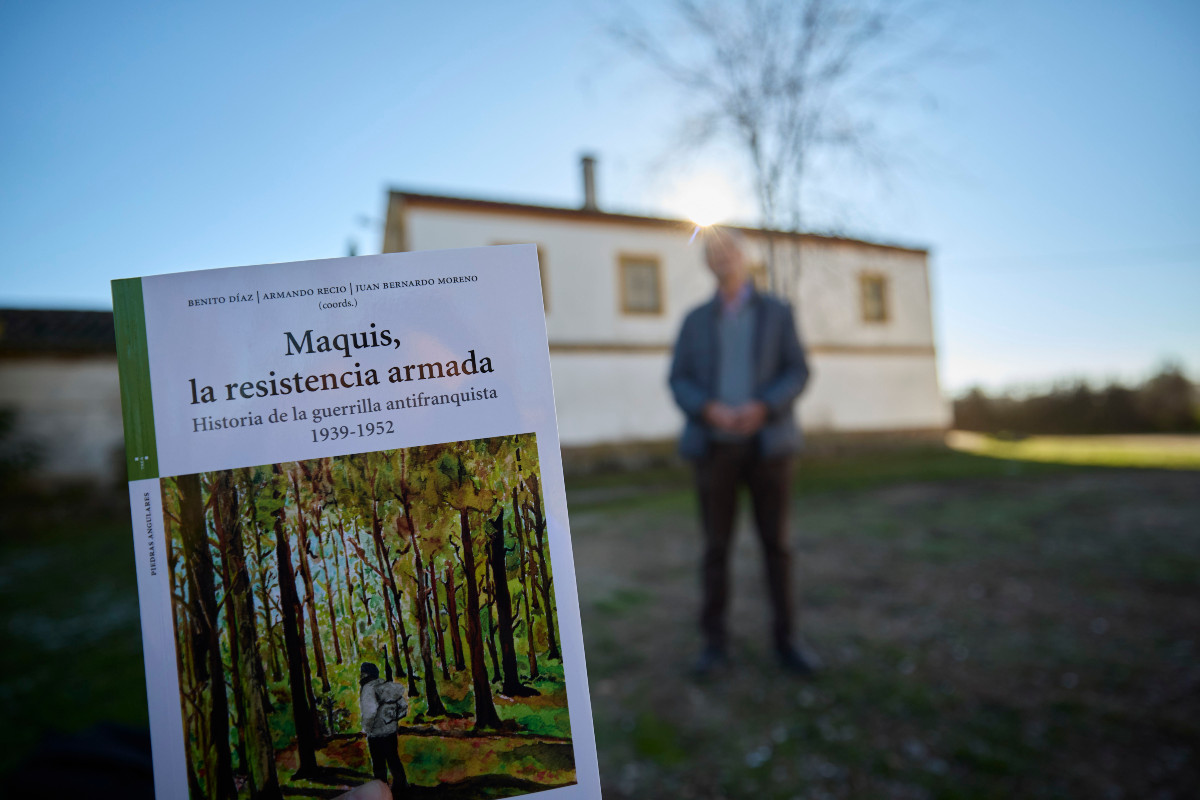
pixel 616 288
pixel 58 381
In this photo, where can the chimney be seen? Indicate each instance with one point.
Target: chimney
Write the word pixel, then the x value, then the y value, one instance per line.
pixel 589 183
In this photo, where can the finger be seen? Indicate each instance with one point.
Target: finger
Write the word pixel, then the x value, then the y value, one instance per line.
pixel 375 790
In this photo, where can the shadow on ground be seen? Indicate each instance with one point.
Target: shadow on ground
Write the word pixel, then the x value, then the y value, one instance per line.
pixel 991 629
pixel 998 630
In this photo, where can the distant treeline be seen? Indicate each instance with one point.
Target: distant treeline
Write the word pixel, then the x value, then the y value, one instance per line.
pixel 1166 403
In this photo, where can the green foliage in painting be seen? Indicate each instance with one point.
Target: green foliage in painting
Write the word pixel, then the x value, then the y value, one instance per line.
pixel 431 563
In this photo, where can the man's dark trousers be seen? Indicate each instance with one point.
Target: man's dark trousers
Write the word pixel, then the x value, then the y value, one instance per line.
pixel 385 755
pixel 720 473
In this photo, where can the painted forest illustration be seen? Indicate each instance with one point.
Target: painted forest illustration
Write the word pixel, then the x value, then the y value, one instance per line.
pixel 431 563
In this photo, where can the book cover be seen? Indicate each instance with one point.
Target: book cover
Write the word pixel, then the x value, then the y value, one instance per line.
pixel 350 527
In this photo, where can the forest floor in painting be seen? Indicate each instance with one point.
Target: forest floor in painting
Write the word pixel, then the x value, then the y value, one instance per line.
pixel 526 758
pixel 991 628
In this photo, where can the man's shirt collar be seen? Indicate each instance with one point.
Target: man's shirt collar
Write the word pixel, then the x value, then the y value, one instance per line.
pixel 730 307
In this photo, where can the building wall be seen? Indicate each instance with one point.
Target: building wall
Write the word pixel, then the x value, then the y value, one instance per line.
pixel 70 409
pixel 623 397
pixel 580 263
pixel 602 398
pixel 863 392
pixel 829 307
pixel 610 368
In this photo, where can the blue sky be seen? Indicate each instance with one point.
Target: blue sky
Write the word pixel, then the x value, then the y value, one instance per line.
pixel 1057 181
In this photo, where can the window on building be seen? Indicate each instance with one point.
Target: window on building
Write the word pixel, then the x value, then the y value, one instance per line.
pixel 641 285
pixel 541 273
pixel 873 297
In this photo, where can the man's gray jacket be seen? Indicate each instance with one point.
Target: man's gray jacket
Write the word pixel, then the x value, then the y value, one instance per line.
pixel 780 373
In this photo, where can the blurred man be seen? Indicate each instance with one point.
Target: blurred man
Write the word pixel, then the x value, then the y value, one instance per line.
pixel 737 371
pixel 382 704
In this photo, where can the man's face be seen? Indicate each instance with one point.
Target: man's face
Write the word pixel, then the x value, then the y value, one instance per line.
pixel 726 261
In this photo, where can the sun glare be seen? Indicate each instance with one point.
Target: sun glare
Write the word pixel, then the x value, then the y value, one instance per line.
pixel 705 198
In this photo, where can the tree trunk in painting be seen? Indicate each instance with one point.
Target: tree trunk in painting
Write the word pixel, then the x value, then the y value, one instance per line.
pixel 391 598
pixel 182 658
pixel 398 602
pixel 381 558
pixel 539 527
pixel 261 573
pixel 435 616
pixel 272 647
pixel 349 601
pixel 306 664
pixel 433 699
pixel 362 580
pixel 199 565
pixel 248 669
pixel 512 686
pixel 490 586
pixel 452 610
pixel 329 590
pixel 293 639
pixel 230 631
pixel 485 709
pixel 310 601
pixel 522 550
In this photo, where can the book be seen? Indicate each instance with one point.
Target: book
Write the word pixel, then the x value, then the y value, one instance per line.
pixel 350 526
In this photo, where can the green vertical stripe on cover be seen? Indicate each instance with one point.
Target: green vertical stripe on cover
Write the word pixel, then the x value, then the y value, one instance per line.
pixel 133 363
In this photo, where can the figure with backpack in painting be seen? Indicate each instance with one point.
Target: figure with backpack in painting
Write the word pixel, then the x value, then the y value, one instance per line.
pixel 382 704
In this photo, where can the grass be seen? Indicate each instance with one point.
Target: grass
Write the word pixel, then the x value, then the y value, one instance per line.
pixel 1163 452
pixel 670 488
pixel 70 641
pixel 993 627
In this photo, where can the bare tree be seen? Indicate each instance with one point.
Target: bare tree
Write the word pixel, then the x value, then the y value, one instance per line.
pixel 790 83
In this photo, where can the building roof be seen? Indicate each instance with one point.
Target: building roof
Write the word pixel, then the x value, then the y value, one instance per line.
pixel 591 215
pixel 26 330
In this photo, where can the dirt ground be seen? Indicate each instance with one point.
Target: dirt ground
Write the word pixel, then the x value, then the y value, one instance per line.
pixel 1032 635
pixel 990 628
